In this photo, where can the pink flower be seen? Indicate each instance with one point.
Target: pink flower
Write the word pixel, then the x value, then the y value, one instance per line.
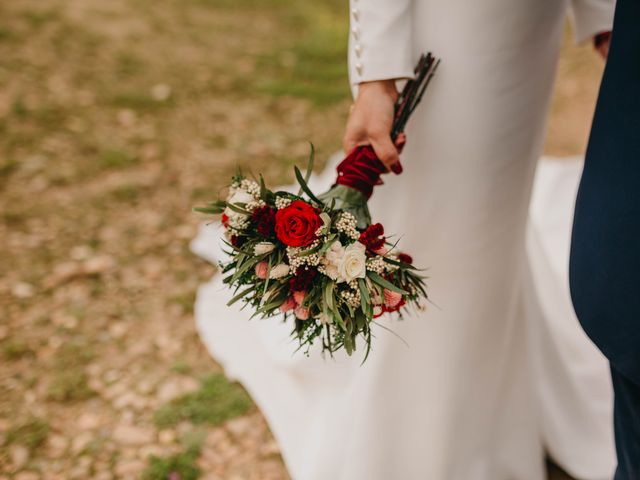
pixel 262 270
pixel 288 305
pixel 301 313
pixel 299 297
pixel 392 299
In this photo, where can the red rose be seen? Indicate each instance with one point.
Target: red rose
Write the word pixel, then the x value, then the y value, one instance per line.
pixel 264 218
pixel 296 224
pixel 372 237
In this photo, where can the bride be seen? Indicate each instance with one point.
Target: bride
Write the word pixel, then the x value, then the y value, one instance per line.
pixel 498 373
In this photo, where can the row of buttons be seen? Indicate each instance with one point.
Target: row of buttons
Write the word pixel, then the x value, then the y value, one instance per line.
pixel 355 31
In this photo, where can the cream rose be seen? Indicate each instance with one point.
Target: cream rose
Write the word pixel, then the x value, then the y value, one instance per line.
pixel 263 247
pixel 354 262
pixel 279 271
pixel 332 259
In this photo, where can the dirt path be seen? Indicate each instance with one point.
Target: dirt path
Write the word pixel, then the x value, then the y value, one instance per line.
pixel 115 119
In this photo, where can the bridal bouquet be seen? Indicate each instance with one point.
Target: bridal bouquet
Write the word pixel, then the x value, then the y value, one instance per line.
pixel 318 259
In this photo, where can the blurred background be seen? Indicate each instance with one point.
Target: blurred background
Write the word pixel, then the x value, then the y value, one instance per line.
pixel 115 119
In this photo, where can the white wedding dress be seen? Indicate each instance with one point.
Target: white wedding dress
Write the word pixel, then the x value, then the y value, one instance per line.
pixel 497 371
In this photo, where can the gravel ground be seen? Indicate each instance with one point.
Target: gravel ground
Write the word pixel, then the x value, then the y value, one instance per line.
pixel 115 119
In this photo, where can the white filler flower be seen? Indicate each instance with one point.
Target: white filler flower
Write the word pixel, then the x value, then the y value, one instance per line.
pixel 237 220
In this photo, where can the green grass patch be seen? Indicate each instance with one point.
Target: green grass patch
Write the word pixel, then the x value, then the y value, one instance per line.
pixel 15 349
pixel 127 193
pixel 31 433
pixel 70 381
pixel 314 66
pixel 181 367
pixel 140 101
pixel 117 158
pixel 216 401
pixel 181 465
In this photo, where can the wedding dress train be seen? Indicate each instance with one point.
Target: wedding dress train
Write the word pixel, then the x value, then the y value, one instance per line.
pixel 443 406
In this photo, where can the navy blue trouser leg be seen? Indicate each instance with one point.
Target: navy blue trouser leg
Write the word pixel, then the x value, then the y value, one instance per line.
pixel 627 426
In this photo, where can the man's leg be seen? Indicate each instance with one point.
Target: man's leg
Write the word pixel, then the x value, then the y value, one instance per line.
pixel 627 426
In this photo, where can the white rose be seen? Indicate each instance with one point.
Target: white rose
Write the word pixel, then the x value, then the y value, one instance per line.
pixel 279 271
pixel 263 247
pixel 354 262
pixel 237 220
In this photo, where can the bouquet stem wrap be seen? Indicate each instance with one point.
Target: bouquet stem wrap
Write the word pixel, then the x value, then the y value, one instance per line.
pixel 361 169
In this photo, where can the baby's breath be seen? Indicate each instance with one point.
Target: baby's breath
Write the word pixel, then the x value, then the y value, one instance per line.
pixel 351 296
pixel 347 224
pixel 296 260
pixel 282 202
pixel 251 187
pixel 376 264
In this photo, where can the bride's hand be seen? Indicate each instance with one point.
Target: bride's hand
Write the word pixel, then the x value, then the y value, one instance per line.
pixel 371 120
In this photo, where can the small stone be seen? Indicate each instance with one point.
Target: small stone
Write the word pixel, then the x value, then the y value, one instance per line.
pixel 129 468
pixel 88 421
pixel 97 265
pixel 80 252
pixel 118 329
pixel 80 442
pixel 23 290
pixel 102 476
pixel 63 319
pixel 130 435
pixel 161 92
pixel 19 456
pixel 166 437
pixel 176 387
pixel 27 476
pixel 57 446
pixel 238 427
pixel 129 399
pixel 126 117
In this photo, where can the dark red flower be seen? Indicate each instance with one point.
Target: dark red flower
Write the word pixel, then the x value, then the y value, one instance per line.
pixel 296 224
pixel 405 257
pixel 372 237
pixel 237 241
pixel 302 280
pixel 264 218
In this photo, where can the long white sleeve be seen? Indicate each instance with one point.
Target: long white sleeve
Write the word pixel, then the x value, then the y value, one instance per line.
pixel 380 40
pixel 591 17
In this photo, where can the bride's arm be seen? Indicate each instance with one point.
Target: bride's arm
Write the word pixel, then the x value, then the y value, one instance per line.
pixel 591 17
pixel 380 52
pixel 380 40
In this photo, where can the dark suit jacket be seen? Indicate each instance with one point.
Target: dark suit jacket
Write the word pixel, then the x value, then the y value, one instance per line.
pixel 605 251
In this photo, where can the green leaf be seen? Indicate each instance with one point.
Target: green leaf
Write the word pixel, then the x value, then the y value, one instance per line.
pixel 240 295
pixel 365 299
pixel 307 174
pixel 385 283
pixel 236 208
pixel 305 187
pixel 209 210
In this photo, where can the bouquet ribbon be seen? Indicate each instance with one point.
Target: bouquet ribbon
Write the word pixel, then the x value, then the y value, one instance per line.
pixel 361 170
